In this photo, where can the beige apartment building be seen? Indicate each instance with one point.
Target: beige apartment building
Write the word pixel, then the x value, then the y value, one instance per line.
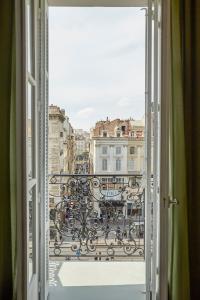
pixel 117 146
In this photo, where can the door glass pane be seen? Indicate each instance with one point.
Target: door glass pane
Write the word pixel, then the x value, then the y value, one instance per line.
pixel 29 34
pixel 31 196
pixel 30 142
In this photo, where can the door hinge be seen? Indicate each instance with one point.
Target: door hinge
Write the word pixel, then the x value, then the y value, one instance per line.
pixel 172 201
pixel 149 292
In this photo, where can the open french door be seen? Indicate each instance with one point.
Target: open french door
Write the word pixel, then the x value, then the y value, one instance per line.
pixel 157 153
pixel 35 24
pixel 151 153
pixel 31 149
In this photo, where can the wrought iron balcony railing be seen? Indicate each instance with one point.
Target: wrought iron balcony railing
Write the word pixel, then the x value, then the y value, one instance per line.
pixel 97 216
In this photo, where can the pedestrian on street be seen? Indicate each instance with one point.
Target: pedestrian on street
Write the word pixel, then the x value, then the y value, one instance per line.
pixel 78 253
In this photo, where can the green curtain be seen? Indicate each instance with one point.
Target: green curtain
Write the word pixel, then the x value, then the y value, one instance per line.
pixel 190 20
pixel 184 271
pixel 7 152
pixel 179 263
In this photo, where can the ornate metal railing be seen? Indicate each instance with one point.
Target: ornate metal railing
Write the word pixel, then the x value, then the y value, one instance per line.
pixel 97 216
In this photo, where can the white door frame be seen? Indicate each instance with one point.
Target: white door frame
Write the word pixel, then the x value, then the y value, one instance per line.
pixel 147 4
pixel 20 133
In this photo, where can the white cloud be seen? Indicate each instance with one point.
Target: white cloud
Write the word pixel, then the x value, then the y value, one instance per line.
pixel 124 102
pixel 85 112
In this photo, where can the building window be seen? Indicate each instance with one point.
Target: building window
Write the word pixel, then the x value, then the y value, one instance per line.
pixel 132 150
pixel 123 129
pixel 61 134
pixel 104 180
pixel 118 133
pixel 104 164
pixel 120 180
pixel 51 201
pixel 132 133
pixel 139 133
pixel 118 150
pixel 107 180
pixel 104 150
pixel 118 164
pixel 105 134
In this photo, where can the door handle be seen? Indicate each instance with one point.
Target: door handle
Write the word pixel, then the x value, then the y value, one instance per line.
pixel 172 201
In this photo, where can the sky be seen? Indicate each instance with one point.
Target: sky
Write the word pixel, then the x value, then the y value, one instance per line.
pixel 97 63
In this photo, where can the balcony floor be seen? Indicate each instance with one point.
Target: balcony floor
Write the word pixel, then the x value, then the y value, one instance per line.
pixel 123 292
pixel 97 280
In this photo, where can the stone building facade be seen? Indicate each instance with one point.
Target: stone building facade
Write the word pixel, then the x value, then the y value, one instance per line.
pixel 117 146
pixel 61 148
pixel 82 139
